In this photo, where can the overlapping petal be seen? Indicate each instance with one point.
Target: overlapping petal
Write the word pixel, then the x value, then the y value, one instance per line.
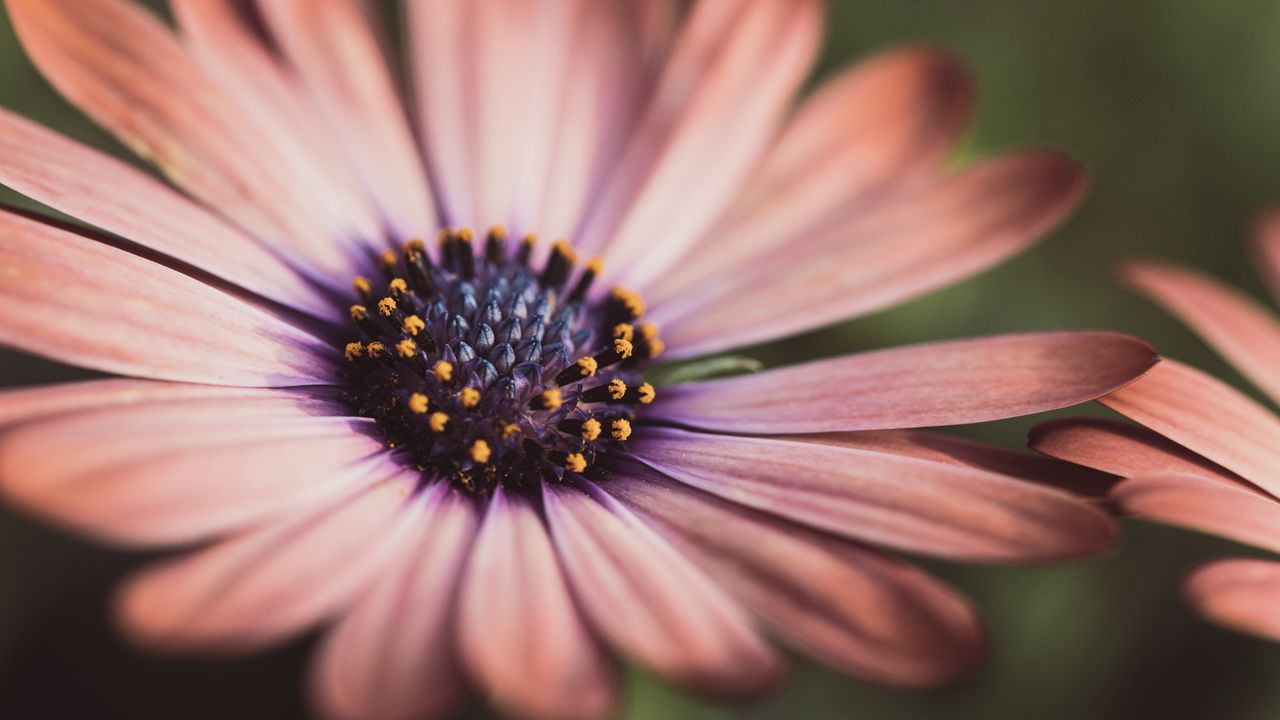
pixel 1199 503
pixel 898 501
pixel 1122 449
pixel 1239 594
pixel 928 385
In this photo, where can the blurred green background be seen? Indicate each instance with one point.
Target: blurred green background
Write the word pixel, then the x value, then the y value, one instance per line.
pixel 1172 104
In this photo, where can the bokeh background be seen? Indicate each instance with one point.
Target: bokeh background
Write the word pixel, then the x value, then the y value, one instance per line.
pixel 1174 105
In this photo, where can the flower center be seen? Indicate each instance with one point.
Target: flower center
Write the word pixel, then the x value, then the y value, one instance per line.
pixel 482 370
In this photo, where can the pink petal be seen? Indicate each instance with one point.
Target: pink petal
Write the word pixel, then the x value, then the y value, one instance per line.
pixel 867 132
pixel 93 187
pixel 520 634
pixel 1208 417
pixel 1246 333
pixel 949 383
pixel 152 95
pixel 393 655
pixel 1203 504
pixel 935 447
pixel 863 260
pixel 219 35
pixel 34 403
pixel 164 465
pixel 898 501
pixel 1266 237
pixel 844 605
pixel 717 105
pixel 71 299
pixel 333 47
pixel 1239 594
pixel 1121 448
pixel 646 600
pixel 263 587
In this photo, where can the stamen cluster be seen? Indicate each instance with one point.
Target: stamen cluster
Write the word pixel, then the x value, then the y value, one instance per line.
pixel 482 370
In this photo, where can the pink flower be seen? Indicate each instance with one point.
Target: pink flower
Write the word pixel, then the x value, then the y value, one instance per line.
pixel 458 467
pixel 1206 457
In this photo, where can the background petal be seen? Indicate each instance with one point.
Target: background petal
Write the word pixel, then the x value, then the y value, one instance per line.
pixel 1238 594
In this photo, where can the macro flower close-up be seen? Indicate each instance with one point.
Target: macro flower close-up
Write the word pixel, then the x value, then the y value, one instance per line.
pixel 414 373
pixel 1203 455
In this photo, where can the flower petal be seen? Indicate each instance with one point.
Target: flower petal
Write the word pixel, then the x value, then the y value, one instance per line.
pixel 1203 504
pixel 903 502
pixel 261 588
pixel 1239 594
pixel 935 447
pixel 865 260
pixel 334 49
pixel 165 465
pixel 1121 448
pixel 1266 238
pixel 1246 333
pixel 867 132
pixel 844 605
pixel 1208 417
pixel 102 191
pixel 720 100
pixel 35 403
pixel 644 598
pixel 221 34
pixel 520 634
pixel 393 656
pixel 949 383
pixel 75 300
pixel 152 95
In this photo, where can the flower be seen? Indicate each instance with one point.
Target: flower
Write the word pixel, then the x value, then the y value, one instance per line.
pixel 1203 456
pixel 441 443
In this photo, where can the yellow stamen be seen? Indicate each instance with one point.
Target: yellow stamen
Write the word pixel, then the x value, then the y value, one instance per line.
pixel 591 429
pixel 624 348
pixel 595 265
pixel 353 351
pixel 499 232
pixel 414 247
pixel 621 429
pixel 398 287
pixel 466 235
pixel 376 349
pixel 551 399
pixel 437 421
pixel 407 348
pixel 562 247
pixel 624 331
pixel 530 239
pixel 575 463
pixel 359 312
pixel 509 430
pixel 362 285
pixel 646 393
pixel 588 366
pixel 388 258
pixel 617 389
pixel 418 404
pixel 414 325
pixel 470 397
pixel 443 371
pixel 386 306
pixel 630 299
pixel 649 331
pixel 480 451
pixel 656 346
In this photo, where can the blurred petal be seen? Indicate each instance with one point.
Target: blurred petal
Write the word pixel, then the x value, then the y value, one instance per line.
pixel 1239 594
pixel 645 599
pixel 147 466
pixel 869 259
pixel 844 605
pixel 1246 333
pixel 102 191
pixel 261 588
pixel 34 403
pixel 78 301
pixel 223 36
pixel 151 94
pixel 1266 236
pixel 393 656
pixel 935 447
pixel 520 634
pixel 718 103
pixel 949 383
pixel 873 128
pixel 332 46
pixel 903 502
pixel 1121 448
pixel 1202 504
pixel 1208 417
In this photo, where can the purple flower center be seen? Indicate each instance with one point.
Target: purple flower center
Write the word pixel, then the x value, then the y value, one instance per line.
pixel 483 370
